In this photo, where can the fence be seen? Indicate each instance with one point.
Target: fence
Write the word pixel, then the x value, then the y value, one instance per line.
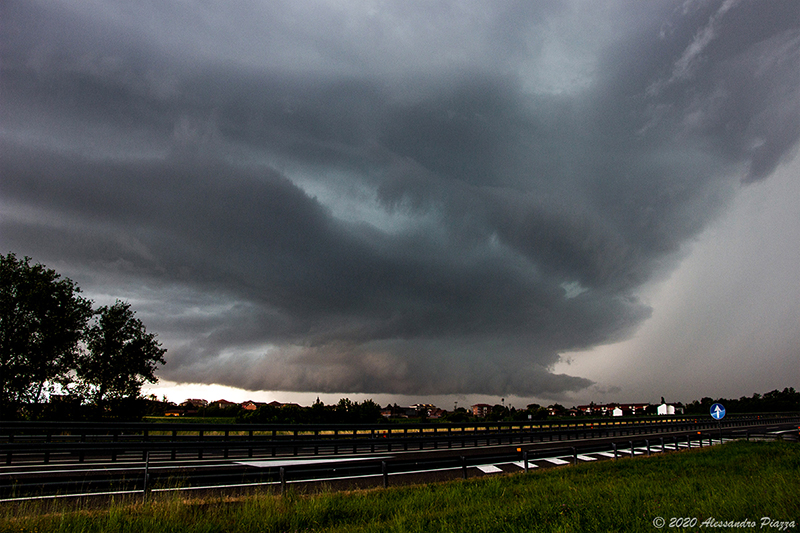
pixel 159 476
pixel 44 442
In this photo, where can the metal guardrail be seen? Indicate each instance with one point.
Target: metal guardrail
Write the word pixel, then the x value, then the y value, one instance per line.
pixel 162 476
pixel 46 441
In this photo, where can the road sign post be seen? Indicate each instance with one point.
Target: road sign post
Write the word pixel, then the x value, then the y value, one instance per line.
pixel 718 413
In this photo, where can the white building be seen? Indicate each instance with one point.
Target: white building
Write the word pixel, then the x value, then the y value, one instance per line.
pixel 666 409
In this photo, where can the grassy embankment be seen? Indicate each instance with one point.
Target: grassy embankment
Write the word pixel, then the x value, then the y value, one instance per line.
pixel 733 482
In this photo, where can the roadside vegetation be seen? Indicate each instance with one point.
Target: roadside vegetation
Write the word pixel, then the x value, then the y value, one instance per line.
pixel 60 359
pixel 734 482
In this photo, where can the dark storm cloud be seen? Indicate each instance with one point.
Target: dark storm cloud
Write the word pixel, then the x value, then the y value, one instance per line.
pixel 388 204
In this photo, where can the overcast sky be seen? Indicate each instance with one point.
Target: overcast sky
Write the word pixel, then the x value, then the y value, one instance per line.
pixel 458 201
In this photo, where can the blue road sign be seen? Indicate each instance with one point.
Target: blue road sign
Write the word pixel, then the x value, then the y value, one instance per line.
pixel 717 411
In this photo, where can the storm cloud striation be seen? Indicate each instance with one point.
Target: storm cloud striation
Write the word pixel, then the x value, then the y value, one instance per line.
pixel 411 198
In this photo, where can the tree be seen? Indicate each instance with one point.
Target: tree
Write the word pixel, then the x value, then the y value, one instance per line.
pixel 42 318
pixel 499 412
pixel 120 357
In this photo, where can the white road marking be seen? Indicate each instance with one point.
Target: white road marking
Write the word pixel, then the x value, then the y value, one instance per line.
pixel 628 451
pixel 554 460
pixel 488 469
pixel 277 463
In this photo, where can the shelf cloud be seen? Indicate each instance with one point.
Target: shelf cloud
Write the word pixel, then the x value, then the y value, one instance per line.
pixel 407 198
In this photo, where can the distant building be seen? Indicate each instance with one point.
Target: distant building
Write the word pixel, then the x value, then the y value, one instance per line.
pixel 669 409
pixel 276 404
pixel 223 404
pixel 396 411
pixel 556 410
pixel 481 410
pixel 426 408
pixel 250 405
pixel 593 409
pixel 436 413
pixel 613 409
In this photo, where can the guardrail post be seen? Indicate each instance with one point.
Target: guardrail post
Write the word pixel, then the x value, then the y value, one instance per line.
pixel 689 441
pixel 614 444
pixel 574 456
pixel 8 454
pixel 283 480
pixel 633 454
pixel 525 460
pixel 647 443
pixel 385 472
pixel 114 438
pixel 146 486
pixel 463 467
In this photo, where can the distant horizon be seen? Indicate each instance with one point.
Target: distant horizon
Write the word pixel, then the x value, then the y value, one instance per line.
pixel 241 396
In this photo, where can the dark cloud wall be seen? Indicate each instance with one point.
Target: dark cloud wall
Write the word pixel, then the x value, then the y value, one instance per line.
pixel 394 200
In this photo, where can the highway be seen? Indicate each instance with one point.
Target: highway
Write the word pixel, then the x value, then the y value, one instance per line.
pixel 376 461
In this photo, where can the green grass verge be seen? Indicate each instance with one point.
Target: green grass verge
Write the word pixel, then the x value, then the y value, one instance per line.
pixel 735 482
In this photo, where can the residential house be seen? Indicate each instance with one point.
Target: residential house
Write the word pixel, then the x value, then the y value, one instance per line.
pixel 481 410
pixel 613 409
pixel 669 409
pixel 223 404
pixel 436 413
pixel 395 411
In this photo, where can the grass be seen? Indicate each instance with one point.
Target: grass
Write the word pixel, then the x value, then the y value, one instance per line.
pixel 733 482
